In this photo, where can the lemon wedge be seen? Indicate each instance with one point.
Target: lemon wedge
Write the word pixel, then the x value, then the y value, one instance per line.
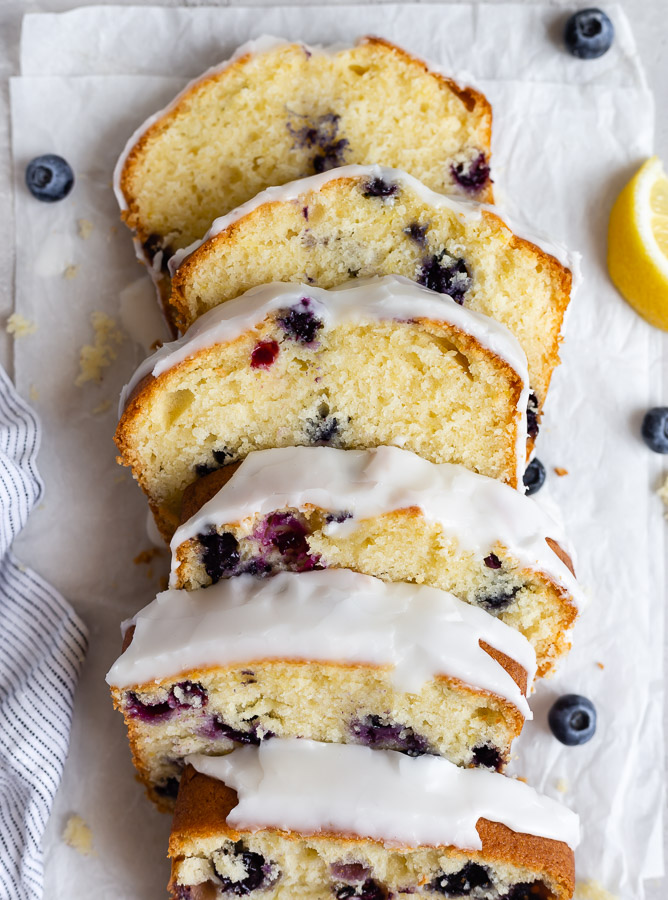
pixel 638 243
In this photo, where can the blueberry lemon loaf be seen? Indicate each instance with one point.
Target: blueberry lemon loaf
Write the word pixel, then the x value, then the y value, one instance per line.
pixel 384 512
pixel 330 655
pixel 368 220
pixel 384 361
pixel 317 821
pixel 279 111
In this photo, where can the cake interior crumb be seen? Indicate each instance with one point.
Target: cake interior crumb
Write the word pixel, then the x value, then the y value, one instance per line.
pixel 562 785
pixel 19 326
pixel 101 407
pixel 78 836
pixel 95 357
pixel 71 272
pixel 560 471
pixel 662 491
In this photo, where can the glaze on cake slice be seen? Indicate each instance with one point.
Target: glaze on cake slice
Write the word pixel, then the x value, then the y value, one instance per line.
pixel 382 361
pixel 330 655
pixel 388 513
pixel 317 821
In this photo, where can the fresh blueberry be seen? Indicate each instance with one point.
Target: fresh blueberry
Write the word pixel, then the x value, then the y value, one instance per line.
pixel 462 883
pixel 487 757
pixel 534 476
pixel 49 178
pixel 220 554
pixel 655 429
pixel 572 719
pixel 589 34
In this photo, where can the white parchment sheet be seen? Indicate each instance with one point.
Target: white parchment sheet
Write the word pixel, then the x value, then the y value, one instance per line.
pixel 567 134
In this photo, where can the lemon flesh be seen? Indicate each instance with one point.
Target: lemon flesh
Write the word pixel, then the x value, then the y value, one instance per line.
pixel 638 243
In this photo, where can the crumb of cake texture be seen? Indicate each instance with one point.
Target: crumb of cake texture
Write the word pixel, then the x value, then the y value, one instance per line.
pixel 662 491
pixel 78 836
pixel 284 111
pixel 19 326
pixel 96 357
pixel 592 890
pixel 85 228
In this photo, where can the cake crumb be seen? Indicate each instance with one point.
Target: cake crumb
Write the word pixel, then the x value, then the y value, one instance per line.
pixel 93 358
pixel 101 407
pixel 562 785
pixel 662 491
pixel 71 272
pixel 592 890
pixel 78 836
pixel 85 228
pixel 19 326
pixel 600 665
pixel 120 478
pixel 147 556
pixel 560 471
pixel 521 778
pixel 34 394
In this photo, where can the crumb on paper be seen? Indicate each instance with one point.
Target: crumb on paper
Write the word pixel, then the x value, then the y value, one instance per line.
pixel 600 665
pixel 78 836
pixel 147 556
pixel 560 471
pixel 71 272
pixel 662 491
pixel 95 357
pixel 120 478
pixel 592 890
pixel 34 394
pixel 114 229
pixel 521 778
pixel 84 228
pixel 19 326
pixel 562 785
pixel 101 407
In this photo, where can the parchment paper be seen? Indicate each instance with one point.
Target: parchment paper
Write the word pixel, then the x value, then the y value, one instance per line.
pixel 567 134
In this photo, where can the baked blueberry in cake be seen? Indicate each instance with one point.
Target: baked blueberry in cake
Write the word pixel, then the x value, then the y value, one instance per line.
pixel 388 513
pixel 329 655
pixel 297 818
pixel 377 361
pixel 360 221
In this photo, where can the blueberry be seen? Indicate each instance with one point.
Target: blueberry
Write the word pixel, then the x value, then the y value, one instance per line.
pixel 264 355
pixel 445 274
pixel 49 178
pixel 378 187
pixel 532 416
pixel 169 788
pixel 216 728
pixel 472 175
pixel 300 324
pixel 498 601
pixel 655 429
pixel 462 883
pixel 572 719
pixel 375 731
pixel 370 890
pixel 220 554
pixel 588 34
pixel 417 233
pixel 487 757
pixel 492 561
pixel 259 873
pixel 536 890
pixel 534 477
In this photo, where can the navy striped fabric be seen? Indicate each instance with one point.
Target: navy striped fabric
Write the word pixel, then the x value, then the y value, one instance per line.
pixel 42 647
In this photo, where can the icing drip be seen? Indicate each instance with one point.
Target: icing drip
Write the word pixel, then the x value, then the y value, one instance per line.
pixel 479 512
pixel 308 787
pixel 331 615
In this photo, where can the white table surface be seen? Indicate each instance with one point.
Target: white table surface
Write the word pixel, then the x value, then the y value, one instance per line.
pixel 649 20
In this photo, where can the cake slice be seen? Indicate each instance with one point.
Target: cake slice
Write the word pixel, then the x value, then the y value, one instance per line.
pixel 368 220
pixel 279 111
pixel 317 821
pixel 330 655
pixel 383 361
pixel 388 513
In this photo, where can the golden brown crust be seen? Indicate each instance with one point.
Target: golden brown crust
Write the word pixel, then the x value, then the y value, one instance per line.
pixel 204 804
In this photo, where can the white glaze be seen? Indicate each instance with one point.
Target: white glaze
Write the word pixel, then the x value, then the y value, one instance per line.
pixel 478 511
pixel 294 191
pixel 362 300
pixel 307 787
pixel 332 615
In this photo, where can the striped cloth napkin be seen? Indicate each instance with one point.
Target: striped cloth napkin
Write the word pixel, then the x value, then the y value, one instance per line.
pixel 42 647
